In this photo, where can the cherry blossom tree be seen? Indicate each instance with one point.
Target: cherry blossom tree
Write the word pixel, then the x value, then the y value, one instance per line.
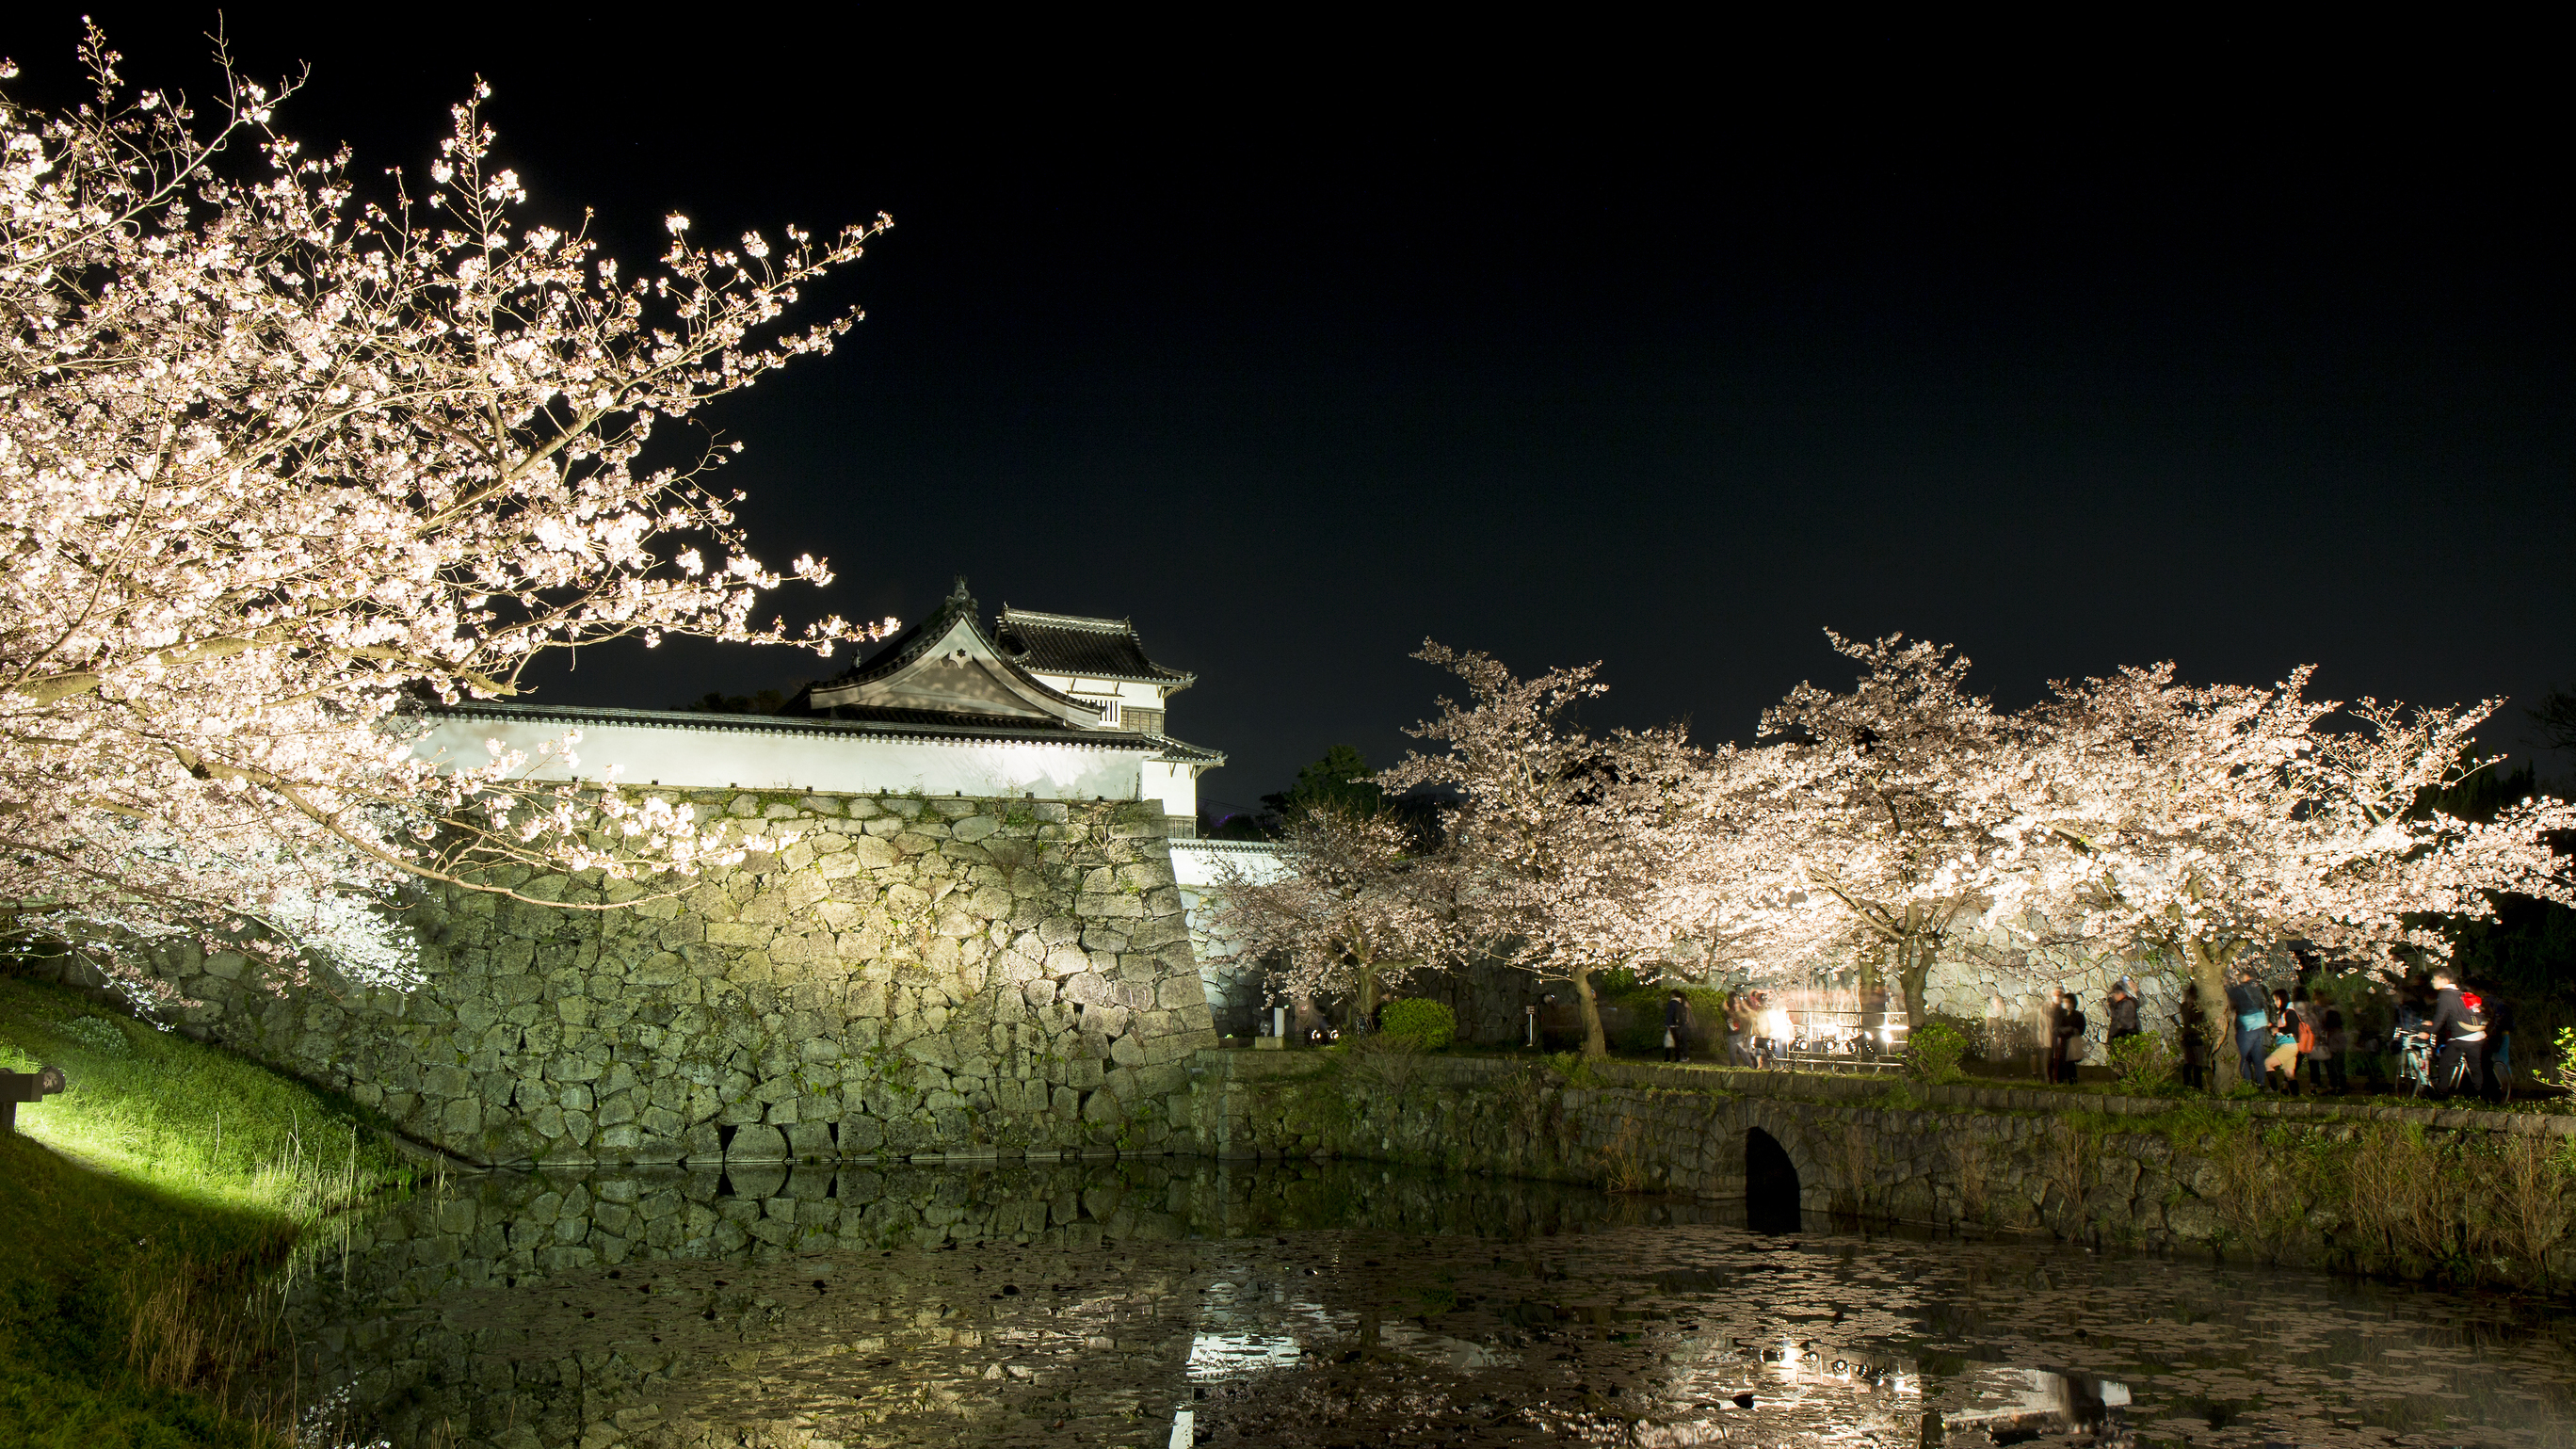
pixel 1358 907
pixel 1575 853
pixel 281 465
pixel 2216 822
pixel 1904 805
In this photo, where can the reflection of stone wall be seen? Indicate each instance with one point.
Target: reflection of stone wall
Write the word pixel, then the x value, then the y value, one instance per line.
pixel 909 975
pixel 548 1308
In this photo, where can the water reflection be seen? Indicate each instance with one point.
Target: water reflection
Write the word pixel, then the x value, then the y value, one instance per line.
pixel 1186 1303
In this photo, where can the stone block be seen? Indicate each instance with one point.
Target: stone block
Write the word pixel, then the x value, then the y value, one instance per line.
pixel 755 1143
pixel 460 1122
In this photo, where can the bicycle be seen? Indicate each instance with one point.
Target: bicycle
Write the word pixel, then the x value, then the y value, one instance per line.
pixel 2414 1061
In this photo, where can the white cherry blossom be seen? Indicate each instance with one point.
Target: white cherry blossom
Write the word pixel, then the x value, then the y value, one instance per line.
pixel 281 466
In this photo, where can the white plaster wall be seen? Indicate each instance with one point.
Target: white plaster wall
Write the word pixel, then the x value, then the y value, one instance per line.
pixel 1177 786
pixel 1127 692
pixel 699 758
pixel 1196 866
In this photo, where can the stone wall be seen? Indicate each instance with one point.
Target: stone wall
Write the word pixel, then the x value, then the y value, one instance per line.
pixel 2273 1180
pixel 1985 973
pixel 909 975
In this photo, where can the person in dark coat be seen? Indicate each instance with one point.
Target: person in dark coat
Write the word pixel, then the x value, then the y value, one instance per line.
pixel 2498 1058
pixel 2070 1040
pixel 2124 1010
pixel 2052 1040
pixel 1676 1027
pixel 2335 1040
pixel 2195 1039
pixel 2459 1035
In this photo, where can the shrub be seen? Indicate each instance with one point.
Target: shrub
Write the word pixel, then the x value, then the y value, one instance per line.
pixel 2144 1064
pixel 1633 1014
pixel 1430 1024
pixel 1932 1054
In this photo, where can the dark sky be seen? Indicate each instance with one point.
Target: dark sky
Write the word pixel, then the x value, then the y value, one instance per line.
pixel 1297 374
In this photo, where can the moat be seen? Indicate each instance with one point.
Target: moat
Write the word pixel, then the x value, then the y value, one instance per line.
pixel 1179 1301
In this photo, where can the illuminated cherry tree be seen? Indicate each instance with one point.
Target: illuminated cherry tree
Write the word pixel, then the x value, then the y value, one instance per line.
pixel 281 465
pixel 1575 852
pixel 1902 803
pixel 1358 906
pixel 2212 823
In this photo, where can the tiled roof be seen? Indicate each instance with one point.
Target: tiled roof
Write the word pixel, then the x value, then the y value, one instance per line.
pixel 1076 645
pixel 850 723
pixel 1178 753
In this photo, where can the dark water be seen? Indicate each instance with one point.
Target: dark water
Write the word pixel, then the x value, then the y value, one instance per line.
pixel 1175 1302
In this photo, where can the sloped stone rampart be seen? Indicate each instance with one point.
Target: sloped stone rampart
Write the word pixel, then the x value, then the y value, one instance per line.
pixel 907 976
pixel 2270 1180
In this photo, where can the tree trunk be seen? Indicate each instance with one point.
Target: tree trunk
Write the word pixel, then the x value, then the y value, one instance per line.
pixel 1596 1043
pixel 1368 999
pixel 2218 1014
pixel 1913 973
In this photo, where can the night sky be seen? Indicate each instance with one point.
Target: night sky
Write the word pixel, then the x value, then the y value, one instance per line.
pixel 1295 375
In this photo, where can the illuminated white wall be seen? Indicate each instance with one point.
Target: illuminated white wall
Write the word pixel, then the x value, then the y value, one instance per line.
pixel 1127 692
pixel 1197 866
pixel 1177 786
pixel 1232 987
pixel 678 754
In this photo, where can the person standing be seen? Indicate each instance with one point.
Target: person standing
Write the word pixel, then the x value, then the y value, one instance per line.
pixel 2052 1036
pixel 2124 1010
pixel 2315 1050
pixel 1739 1029
pixel 2337 1038
pixel 2499 1055
pixel 2253 1026
pixel 2195 1039
pixel 2284 1055
pixel 1676 1027
pixel 2071 1049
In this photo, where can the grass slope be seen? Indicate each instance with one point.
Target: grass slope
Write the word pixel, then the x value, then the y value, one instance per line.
pixel 142 1206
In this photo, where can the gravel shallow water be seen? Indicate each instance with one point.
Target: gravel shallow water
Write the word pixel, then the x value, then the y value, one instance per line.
pixel 1173 1302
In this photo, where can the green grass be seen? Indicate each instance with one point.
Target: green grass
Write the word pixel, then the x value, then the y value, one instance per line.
pixel 143 1206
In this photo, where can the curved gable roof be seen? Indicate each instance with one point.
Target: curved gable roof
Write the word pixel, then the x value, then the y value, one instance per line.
pixel 946 664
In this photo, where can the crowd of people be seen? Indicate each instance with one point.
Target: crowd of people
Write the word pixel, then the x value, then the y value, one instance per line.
pixel 2447 1039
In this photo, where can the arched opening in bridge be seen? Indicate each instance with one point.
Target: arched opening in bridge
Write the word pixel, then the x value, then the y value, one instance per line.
pixel 1770 1184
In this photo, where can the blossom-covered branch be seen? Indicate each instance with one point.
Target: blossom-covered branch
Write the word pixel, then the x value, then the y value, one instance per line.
pixel 1359 906
pixel 2214 822
pixel 281 466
